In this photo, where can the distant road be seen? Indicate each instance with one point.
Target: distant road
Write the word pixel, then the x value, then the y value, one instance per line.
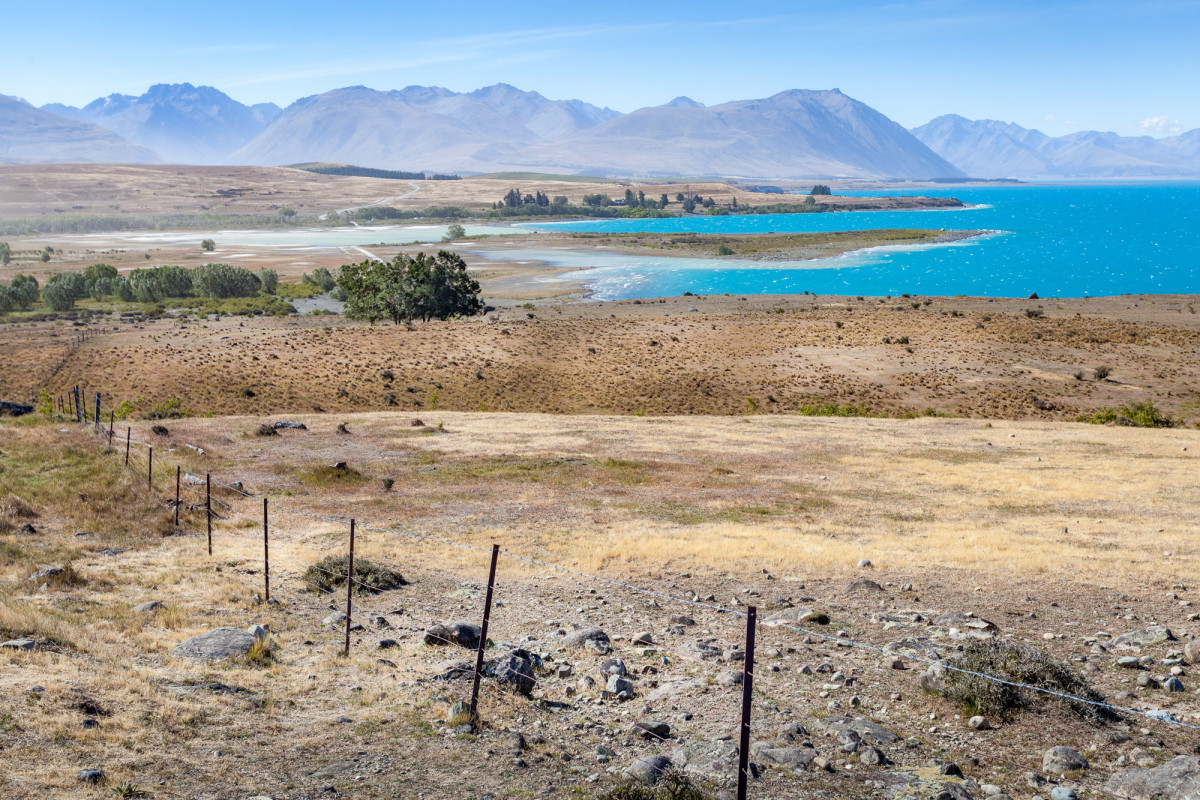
pixel 415 189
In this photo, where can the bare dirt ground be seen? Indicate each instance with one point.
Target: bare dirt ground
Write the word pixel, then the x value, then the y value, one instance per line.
pixel 688 355
pixel 1022 524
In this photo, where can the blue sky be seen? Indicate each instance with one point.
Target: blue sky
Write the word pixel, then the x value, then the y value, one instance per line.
pixel 1125 66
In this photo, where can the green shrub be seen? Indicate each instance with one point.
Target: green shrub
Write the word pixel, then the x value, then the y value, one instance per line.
pixel 269 280
pixel 292 291
pixel 223 280
pixel 1017 664
pixel 330 573
pixel 671 785
pixel 1143 414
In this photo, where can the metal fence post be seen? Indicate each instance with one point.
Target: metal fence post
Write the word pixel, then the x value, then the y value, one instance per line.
pixel 150 469
pixel 96 419
pixel 349 587
pixel 266 556
pixel 112 417
pixel 177 473
pixel 128 438
pixel 747 697
pixel 483 632
pixel 78 406
pixel 208 507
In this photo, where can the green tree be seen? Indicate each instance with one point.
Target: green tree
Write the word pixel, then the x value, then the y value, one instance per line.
pixel 45 256
pixel 559 200
pixel 208 245
pixel 663 202
pixel 321 278
pixel 24 290
pixel 455 231
pixel 71 282
pixel 224 280
pixel 58 296
pixel 158 283
pixel 410 287
pixel 269 279
pixel 820 188
pixel 5 253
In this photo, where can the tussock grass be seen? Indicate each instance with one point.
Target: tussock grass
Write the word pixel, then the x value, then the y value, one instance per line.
pixel 369 576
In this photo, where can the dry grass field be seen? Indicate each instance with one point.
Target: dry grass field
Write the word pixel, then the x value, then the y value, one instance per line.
pixel 1059 534
pixel 730 355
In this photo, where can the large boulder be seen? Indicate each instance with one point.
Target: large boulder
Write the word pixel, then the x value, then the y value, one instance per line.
pixel 460 633
pixel 1061 760
pixel 864 585
pixel 709 762
pixel 868 731
pixel 780 755
pixel 970 625
pixel 1178 779
pixel 701 650
pixel 216 645
pixel 648 769
pixel 514 670
pixel 1191 651
pixel 592 639
pixel 1135 640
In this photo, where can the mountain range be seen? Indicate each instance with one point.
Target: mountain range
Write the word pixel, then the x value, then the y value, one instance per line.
pixel 990 149
pixel 792 134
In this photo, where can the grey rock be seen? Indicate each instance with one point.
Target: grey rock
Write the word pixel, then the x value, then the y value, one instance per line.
pixel 1035 780
pixel 872 757
pixel 648 769
pixel 387 644
pixel 613 666
pixel 714 762
pixel 651 730
pixel 916 646
pixel 864 585
pixel 790 731
pixel 773 754
pixel 515 741
pixel 682 620
pixel 644 640
pixel 515 670
pixel 453 670
pixel 1129 662
pixel 592 639
pixel 335 618
pixel 1178 779
pixel 973 626
pixel 146 608
pixel 28 529
pixel 1134 640
pixel 1061 760
pixel 1191 651
pixel 1173 684
pixel 730 678
pixel 458 712
pixel 868 731
pixel 46 573
pixel 864 563
pixel 90 775
pixel 617 684
pixel 460 633
pixel 299 426
pixel 258 631
pixel 18 644
pixel 216 645
pixel 933 679
pixel 700 650
pixel 952 791
pixel 1063 793
pixel 978 723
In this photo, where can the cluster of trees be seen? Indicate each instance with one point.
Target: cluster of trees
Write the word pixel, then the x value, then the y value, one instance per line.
pixel 368 172
pixel 514 199
pixel 21 293
pixel 820 188
pixel 410 287
pixel 5 253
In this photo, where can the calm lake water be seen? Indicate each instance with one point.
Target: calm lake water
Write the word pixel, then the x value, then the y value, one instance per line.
pixel 1056 240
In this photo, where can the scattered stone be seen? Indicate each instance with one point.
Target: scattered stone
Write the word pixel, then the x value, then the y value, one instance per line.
pixel 773 754
pixel 453 670
pixel 216 645
pixel 514 670
pixel 618 684
pixel 258 631
pixel 299 426
pixel 1063 793
pixel 682 620
pixel 895 662
pixel 643 640
pixel 868 731
pixel 1135 640
pixel 46 573
pixel 460 633
pixel 700 650
pixel 90 775
pixel 613 666
pixel 730 678
pixel 18 644
pixel 872 757
pixel 933 679
pixel 654 731
pixel 975 626
pixel 1129 662
pixel 864 563
pixel 952 791
pixel 1034 780
pixel 648 769
pixel 1178 779
pixel 1173 684
pixel 385 644
pixel 589 639
pixel 1191 651
pixel 146 608
pixel 335 618
pixel 864 585
pixel 711 762
pixel 978 723
pixel 1062 760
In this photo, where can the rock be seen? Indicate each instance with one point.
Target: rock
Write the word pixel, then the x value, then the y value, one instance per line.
pixel 258 631
pixel 648 769
pixel 146 608
pixel 864 585
pixel 1034 781
pixel 933 679
pixel 991 789
pixel 18 644
pixel 335 618
pixel 952 791
pixel 868 731
pixel 917 647
pixel 799 615
pixel 974 626
pixel 1129 662
pixel 216 645
pixel 592 639
pixel 1191 651
pixel 460 633
pixel 978 723
pixel 1062 760
pixel 730 678
pixel 90 775
pixel 643 640
pixel 514 670
pixel 1063 793
pixel 564 670
pixel 894 662
pixel 864 563
pixel 1178 779
pixel 790 731
pixel 453 670
pixel 387 644
pixel 700 650
pixel 787 757
pixel 617 684
pixel 950 769
pixel 613 666
pixel 47 573
pixel 714 762
pixel 28 529
pixel 872 757
pixel 1173 684
pixel 654 731
pixel 1135 640
pixel 299 426
pixel 682 620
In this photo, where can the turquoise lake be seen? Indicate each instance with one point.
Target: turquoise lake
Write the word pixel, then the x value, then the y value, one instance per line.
pixel 1056 240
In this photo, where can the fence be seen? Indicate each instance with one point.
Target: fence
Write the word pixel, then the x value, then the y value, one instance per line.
pixel 494 682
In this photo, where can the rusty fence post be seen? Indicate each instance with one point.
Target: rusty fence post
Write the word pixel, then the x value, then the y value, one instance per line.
pixel 128 438
pixel 266 556
pixel 78 406
pixel 349 587
pixel 483 633
pixel 747 697
pixel 96 419
pixel 208 507
pixel 112 418
pixel 150 469
pixel 178 470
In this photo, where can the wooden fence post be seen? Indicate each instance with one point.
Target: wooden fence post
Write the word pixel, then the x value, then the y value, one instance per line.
pixel 483 632
pixel 349 587
pixel 266 556
pixel 747 698
pixel 208 507
pixel 177 475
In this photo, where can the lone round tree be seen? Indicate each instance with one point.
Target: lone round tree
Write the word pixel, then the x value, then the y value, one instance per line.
pixel 410 287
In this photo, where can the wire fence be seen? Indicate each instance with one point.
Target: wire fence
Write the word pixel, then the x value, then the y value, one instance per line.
pixel 494 678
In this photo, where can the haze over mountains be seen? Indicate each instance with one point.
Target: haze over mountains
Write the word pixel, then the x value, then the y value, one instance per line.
pixel 793 134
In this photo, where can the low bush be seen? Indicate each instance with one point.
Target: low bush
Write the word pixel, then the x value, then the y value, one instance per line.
pixel 332 476
pixel 1143 414
pixel 330 573
pixel 1017 664
pixel 672 785
pixel 266 429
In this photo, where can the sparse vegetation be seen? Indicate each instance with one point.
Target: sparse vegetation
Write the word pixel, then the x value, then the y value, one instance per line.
pixel 369 576
pixel 671 785
pixel 409 288
pixel 1142 414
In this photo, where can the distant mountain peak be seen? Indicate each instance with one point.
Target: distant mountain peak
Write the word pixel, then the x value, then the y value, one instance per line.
pixel 683 102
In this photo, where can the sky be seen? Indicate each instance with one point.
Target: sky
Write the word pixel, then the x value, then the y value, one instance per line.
pixel 1130 67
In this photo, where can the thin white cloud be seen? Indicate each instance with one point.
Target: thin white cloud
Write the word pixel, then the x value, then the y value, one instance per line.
pixel 1160 126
